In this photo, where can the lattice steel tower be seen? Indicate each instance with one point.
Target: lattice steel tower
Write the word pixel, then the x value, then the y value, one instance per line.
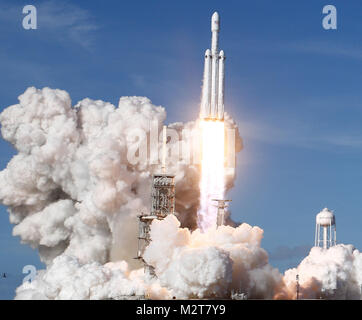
pixel 162 204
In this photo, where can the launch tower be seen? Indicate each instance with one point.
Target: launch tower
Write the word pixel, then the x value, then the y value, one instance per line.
pixel 162 204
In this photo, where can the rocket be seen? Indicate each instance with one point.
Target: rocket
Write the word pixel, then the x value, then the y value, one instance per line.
pixel 212 99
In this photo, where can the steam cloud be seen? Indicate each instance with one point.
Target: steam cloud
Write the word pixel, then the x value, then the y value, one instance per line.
pixel 72 194
pixel 335 273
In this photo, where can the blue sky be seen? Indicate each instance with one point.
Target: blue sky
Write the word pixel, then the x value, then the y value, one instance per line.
pixel 293 88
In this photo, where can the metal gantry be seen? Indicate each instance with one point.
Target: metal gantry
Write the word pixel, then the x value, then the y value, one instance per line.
pixel 162 204
pixel 221 205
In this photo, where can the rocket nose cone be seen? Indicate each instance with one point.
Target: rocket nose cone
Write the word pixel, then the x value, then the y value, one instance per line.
pixel 222 54
pixel 215 16
pixel 215 22
pixel 207 52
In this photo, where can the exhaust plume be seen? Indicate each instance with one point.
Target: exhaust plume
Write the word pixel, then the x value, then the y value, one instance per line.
pixel 78 182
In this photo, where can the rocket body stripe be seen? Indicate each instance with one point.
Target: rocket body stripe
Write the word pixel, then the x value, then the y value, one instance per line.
pixel 214 87
pixel 220 101
pixel 206 87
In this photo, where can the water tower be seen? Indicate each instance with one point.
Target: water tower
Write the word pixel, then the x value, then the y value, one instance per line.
pixel 325 222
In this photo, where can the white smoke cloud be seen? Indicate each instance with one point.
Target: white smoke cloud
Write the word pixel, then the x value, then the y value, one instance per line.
pixel 73 194
pixel 333 273
pixel 188 265
pixel 66 278
pixel 71 190
pixel 211 264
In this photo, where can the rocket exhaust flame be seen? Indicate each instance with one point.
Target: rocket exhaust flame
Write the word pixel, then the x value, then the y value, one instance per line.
pixel 212 184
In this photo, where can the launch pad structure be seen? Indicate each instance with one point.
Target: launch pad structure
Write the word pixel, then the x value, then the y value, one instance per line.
pixel 162 204
pixel 221 205
pixel 163 184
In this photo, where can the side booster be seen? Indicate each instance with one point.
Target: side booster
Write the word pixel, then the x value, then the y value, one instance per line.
pixel 212 100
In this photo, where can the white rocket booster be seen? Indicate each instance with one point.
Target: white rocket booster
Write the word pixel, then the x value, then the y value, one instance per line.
pixel 212 100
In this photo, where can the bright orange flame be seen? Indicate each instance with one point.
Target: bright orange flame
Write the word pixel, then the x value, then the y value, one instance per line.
pixel 212 185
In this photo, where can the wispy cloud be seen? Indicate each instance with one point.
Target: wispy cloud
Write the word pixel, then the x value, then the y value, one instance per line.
pixel 68 21
pixel 326 49
pixel 58 21
pixel 297 135
pixel 343 141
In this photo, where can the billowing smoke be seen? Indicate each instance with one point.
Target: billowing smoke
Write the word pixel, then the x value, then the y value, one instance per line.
pixel 81 176
pixel 212 263
pixel 333 273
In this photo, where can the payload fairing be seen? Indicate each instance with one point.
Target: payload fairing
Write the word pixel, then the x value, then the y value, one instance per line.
pixel 212 100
